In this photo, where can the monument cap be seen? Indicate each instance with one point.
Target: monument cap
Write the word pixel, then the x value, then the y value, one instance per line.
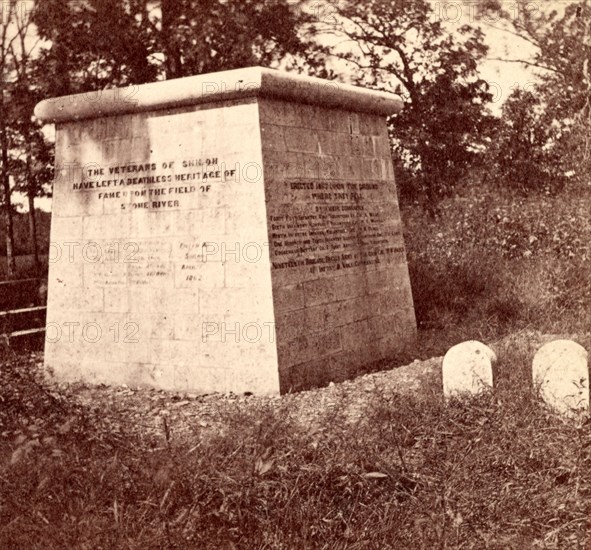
pixel 214 87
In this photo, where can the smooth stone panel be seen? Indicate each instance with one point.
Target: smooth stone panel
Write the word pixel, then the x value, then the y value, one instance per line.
pixel 467 369
pixel 140 242
pixel 561 374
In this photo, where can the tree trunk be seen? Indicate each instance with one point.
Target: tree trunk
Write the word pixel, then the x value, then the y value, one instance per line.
pixel 586 111
pixel 33 233
pixel 171 9
pixel 31 192
pixel 10 261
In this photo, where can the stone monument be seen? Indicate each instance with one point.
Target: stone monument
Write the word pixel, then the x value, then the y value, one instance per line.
pixel 236 231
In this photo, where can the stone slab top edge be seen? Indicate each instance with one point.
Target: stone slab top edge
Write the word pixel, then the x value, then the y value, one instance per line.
pixel 213 87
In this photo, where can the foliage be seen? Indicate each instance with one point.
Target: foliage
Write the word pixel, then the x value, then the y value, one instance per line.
pixel 31 163
pixel 402 47
pixel 544 139
pixel 523 150
pixel 97 44
pixel 494 262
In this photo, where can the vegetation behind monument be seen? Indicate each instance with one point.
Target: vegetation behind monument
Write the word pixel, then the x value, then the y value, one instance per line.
pixel 448 148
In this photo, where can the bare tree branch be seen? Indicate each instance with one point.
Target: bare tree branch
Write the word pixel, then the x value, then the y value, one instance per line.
pixel 530 63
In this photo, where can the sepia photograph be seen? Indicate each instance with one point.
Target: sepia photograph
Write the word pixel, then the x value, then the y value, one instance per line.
pixel 295 274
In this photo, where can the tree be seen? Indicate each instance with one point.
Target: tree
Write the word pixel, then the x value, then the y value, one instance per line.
pixel 31 175
pixel 96 44
pixel 203 36
pixel 558 109
pixel 523 152
pixel 24 152
pixel 401 47
pixel 32 163
pixel 566 90
pixel 10 19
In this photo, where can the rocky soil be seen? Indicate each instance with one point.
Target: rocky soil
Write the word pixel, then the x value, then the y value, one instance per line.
pixel 186 415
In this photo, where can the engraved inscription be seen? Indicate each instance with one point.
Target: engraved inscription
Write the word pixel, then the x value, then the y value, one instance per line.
pixel 152 185
pixel 341 226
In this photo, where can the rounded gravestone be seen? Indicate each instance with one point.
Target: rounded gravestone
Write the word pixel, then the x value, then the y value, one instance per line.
pixel 561 374
pixel 467 369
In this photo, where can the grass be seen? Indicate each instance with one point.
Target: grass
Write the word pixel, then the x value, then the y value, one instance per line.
pixel 490 265
pixel 496 471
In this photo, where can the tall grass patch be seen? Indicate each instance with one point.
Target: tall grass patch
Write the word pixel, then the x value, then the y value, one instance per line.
pixel 490 265
pixel 496 471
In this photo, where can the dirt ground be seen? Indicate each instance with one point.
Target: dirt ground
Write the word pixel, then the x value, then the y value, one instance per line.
pixel 151 412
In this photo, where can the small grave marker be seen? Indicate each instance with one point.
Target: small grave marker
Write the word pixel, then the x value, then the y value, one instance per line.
pixel 561 375
pixel 467 368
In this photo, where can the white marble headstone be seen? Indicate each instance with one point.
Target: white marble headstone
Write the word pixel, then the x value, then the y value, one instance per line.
pixel 561 375
pixel 467 368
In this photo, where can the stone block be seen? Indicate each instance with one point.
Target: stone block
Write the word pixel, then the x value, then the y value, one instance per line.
pixel 273 137
pixel 243 239
pixel 301 140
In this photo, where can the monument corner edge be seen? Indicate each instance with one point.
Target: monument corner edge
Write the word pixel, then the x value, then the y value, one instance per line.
pixel 233 84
